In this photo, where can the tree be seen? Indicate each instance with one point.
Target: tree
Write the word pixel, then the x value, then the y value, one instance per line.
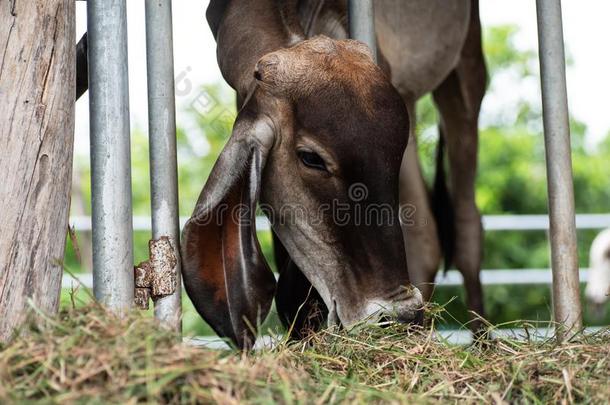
pixel 37 89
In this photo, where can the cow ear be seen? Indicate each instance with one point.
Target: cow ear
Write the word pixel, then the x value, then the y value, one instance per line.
pixel 224 271
pixel 214 14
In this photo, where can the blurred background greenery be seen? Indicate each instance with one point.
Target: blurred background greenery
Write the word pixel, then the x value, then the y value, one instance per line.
pixel 511 180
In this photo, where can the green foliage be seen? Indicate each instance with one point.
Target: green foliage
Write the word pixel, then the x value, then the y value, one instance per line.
pixel 501 52
pixel 215 121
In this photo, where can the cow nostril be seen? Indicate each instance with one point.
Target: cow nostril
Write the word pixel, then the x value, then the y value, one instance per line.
pixel 413 319
pixel 419 318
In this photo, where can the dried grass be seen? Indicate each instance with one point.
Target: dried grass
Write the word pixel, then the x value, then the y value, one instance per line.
pixel 88 355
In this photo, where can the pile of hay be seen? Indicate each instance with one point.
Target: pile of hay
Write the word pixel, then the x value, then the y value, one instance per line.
pixel 88 355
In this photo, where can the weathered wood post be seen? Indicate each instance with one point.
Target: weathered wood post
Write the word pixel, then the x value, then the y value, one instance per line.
pixel 36 143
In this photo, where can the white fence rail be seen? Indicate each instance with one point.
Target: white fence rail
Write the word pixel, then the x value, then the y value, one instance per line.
pixel 451 278
pixel 541 222
pixel 490 222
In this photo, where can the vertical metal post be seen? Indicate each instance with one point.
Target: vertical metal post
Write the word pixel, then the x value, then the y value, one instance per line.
pixel 362 23
pixel 564 254
pixel 162 138
pixel 113 280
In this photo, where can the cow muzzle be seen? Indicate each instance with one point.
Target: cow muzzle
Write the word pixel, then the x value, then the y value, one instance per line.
pixel 407 307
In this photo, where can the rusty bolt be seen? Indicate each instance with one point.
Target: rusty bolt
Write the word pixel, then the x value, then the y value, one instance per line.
pixel 157 276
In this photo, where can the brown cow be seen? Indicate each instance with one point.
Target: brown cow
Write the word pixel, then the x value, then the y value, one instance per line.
pixel 321 131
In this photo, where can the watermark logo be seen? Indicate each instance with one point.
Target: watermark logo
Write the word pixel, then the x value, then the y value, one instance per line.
pixel 358 192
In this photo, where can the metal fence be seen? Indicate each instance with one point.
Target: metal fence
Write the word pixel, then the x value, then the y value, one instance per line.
pixel 491 223
pixel 112 228
pixel 110 131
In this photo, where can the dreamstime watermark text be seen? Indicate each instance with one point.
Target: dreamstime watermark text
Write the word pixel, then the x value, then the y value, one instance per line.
pixel 359 209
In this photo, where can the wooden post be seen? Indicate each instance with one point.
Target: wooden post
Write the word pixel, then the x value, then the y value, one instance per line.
pixel 37 90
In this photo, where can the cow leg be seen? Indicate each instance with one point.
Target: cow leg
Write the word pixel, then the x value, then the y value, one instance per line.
pixel 299 306
pixel 419 226
pixel 458 100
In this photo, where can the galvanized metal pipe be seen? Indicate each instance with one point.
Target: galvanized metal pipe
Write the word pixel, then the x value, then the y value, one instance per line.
pixel 113 280
pixel 362 23
pixel 564 254
pixel 162 138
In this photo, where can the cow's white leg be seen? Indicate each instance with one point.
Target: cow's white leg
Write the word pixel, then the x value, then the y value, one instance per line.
pixel 598 285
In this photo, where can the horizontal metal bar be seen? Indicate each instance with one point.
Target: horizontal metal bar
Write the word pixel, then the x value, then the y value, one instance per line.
pixel 504 277
pixel 451 278
pixel 541 222
pixel 490 222
pixel 143 223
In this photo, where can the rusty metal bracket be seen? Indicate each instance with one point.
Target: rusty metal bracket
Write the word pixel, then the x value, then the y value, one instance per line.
pixel 157 276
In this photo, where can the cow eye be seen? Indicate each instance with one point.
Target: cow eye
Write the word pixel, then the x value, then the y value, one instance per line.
pixel 312 160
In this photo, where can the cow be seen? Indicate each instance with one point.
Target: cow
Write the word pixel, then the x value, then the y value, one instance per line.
pixel 598 283
pixel 320 127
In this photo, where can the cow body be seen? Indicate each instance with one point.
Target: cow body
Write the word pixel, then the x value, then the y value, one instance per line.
pixel 420 41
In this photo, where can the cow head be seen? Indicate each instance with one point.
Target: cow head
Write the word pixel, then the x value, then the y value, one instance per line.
pixel 318 143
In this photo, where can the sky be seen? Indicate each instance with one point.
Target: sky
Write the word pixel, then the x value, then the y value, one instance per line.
pixel 586 32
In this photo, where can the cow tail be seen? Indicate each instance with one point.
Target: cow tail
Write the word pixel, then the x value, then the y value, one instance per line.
pixel 442 207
